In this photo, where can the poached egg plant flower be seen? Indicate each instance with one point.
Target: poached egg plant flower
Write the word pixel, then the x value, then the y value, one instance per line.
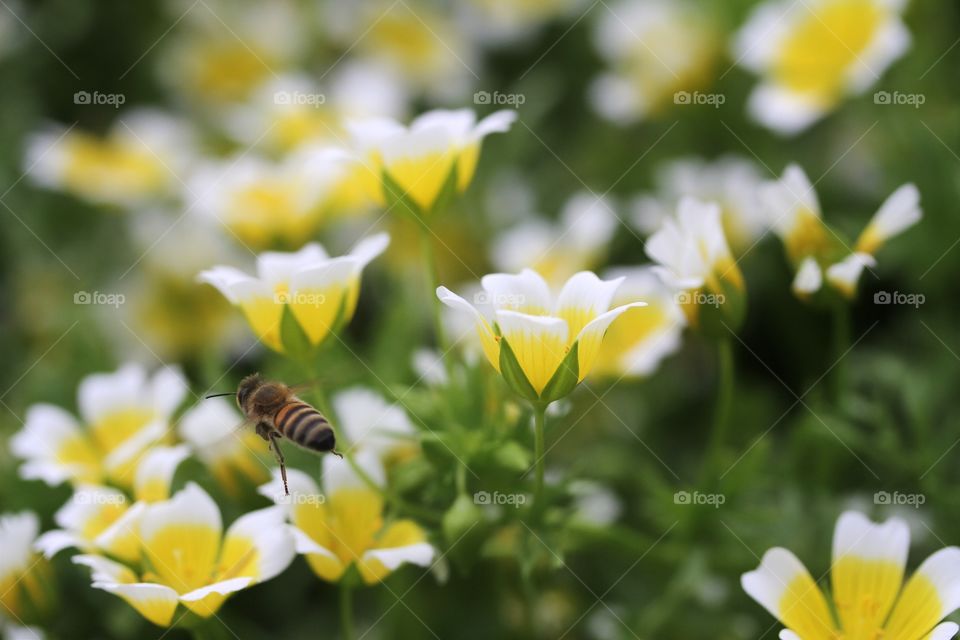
pixel 818 254
pixel 870 597
pixel 297 299
pixel 812 54
pixel 23 576
pixel 695 259
pixel 122 414
pixel 344 526
pixel 437 154
pixel 542 344
pixel 188 559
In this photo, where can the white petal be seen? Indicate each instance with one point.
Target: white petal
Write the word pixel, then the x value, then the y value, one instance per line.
pixel 273 540
pixel 454 301
pixel 103 569
pixel 122 527
pixel 158 598
pixel 305 544
pixel 53 542
pixel 786 634
pixel 207 424
pixel 789 197
pixel 845 274
pixel 855 535
pixel 599 325
pixel 767 583
pixel 369 421
pixel 232 283
pixel 585 291
pixel 369 248
pixel 899 212
pixel 420 554
pixel 525 291
pixel 18 532
pixel 339 474
pixel 100 394
pixel 336 271
pixel 496 122
pixel 191 505
pixel 158 467
pixel 942 569
pixel 134 446
pixel 45 429
pixel 276 267
pixel 784 111
pixel 300 484
pixel 944 631
pixel 167 390
pixel 809 278
pixel 86 503
pixel 224 587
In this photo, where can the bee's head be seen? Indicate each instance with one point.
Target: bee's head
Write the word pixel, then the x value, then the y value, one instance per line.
pixel 247 385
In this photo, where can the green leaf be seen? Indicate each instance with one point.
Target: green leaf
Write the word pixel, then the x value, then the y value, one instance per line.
pixel 447 192
pixel 295 342
pixel 513 373
pixel 513 456
pixel 566 377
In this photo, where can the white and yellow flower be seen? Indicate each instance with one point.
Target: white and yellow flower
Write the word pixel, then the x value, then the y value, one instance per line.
pixel 422 46
pixel 265 203
pixel 370 423
pixel 812 55
pixel 506 22
pixel 122 414
pixel 576 242
pixel 99 519
pixel 655 49
pixel 542 345
pixel 318 291
pixel 870 597
pixel 730 181
pixel 234 455
pixel 191 561
pixel 635 345
pixel 138 161
pixel 344 526
pixel 818 253
pixel 437 152
pixel 695 259
pixel 223 51
pixel 23 574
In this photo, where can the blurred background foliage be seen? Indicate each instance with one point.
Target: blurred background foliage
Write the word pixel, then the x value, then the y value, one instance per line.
pixel 662 570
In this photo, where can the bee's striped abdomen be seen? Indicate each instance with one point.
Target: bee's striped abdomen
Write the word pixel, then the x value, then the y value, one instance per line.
pixel 305 426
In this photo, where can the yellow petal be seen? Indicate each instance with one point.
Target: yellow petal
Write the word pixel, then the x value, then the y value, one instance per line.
pixel 264 316
pixel 423 177
pixel 539 343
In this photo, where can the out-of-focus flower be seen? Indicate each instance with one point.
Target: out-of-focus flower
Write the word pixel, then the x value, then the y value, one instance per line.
pixel 635 345
pixel 577 241
pixel 123 413
pixel 730 181
pixel 344 526
pixel 695 260
pixel 265 204
pixel 137 162
pixel 191 561
pixel 370 423
pixel 222 51
pixel 439 147
pixel 415 42
pixel 293 110
pixel 816 251
pixel 233 455
pixel 811 55
pixel 543 346
pixel 660 52
pixel 100 519
pixel 320 292
pixel 22 573
pixel 866 576
pixel 503 22
pixel 594 503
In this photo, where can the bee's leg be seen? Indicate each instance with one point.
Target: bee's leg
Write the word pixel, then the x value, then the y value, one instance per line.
pixel 263 430
pixel 274 436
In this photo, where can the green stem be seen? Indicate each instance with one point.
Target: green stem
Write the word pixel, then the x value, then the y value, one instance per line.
pixel 540 416
pixel 462 479
pixel 721 416
pixel 841 343
pixel 433 281
pixel 389 496
pixel 346 610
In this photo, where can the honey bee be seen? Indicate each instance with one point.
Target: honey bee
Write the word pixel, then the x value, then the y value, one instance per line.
pixel 277 413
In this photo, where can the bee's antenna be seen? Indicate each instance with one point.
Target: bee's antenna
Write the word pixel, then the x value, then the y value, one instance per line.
pixel 217 395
